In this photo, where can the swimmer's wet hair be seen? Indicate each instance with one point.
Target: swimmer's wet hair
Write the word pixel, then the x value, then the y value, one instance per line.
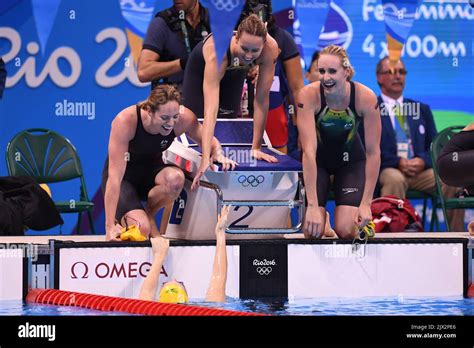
pixel 160 95
pixel 340 52
pixel 252 25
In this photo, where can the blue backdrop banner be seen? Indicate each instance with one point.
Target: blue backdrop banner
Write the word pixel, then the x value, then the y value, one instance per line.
pixel 223 15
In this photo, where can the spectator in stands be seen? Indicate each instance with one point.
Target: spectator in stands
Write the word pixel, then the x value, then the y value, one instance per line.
pixel 408 128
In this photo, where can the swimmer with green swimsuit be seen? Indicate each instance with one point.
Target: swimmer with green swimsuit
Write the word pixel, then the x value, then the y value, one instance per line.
pixel 330 111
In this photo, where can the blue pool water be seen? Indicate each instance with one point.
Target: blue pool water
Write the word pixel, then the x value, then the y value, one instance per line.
pixel 325 306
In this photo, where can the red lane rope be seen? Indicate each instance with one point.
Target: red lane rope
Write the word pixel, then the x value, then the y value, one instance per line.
pixel 470 291
pixel 111 304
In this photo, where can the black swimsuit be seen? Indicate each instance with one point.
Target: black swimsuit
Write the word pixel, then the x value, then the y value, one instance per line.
pixel 456 161
pixel 231 85
pixel 340 153
pixel 145 162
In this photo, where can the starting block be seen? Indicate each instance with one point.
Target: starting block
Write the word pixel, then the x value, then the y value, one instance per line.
pixel 261 194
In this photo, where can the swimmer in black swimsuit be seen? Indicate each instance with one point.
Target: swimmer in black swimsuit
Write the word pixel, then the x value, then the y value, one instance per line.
pixel 209 91
pixel 456 164
pixel 330 112
pixel 456 161
pixel 134 170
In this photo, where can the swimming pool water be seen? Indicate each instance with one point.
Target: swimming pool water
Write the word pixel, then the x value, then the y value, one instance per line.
pixel 21 308
pixel 315 307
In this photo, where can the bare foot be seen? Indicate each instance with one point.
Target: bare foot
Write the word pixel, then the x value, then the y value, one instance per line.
pixel 328 231
pixel 470 228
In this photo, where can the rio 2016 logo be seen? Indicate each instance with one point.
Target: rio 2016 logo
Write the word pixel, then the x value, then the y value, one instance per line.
pixel 264 267
pixel 27 67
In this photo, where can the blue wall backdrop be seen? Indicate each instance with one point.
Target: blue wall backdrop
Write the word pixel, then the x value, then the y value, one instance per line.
pixel 86 57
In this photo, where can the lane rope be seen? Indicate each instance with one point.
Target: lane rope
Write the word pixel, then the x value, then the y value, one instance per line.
pixel 127 305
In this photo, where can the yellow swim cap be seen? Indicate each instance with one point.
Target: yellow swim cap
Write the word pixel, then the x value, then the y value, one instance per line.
pixel 132 234
pixel 173 292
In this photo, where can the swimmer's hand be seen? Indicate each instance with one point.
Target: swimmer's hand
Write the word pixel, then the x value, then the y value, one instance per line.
pixel 113 232
pixel 252 75
pixel 259 155
pixel 160 246
pixel 227 164
pixel 363 215
pixel 205 163
pixel 313 223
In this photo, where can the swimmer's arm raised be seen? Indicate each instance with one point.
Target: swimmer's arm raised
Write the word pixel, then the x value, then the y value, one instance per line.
pixel 216 290
pixel 149 288
pixel 123 130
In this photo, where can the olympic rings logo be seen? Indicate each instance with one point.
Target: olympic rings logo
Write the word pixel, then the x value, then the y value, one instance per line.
pixel 226 5
pixel 264 270
pixel 250 180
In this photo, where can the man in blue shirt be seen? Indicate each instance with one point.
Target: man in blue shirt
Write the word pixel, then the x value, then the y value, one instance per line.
pixel 170 37
pixel 408 128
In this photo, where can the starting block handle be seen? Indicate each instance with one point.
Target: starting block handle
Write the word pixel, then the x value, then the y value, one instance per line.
pixel 277 203
pixel 264 230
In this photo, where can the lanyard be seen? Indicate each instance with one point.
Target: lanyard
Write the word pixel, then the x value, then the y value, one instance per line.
pixel 184 29
pixel 403 124
pixel 401 120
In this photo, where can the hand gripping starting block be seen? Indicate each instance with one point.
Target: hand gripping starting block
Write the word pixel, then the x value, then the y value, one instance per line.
pixel 261 194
